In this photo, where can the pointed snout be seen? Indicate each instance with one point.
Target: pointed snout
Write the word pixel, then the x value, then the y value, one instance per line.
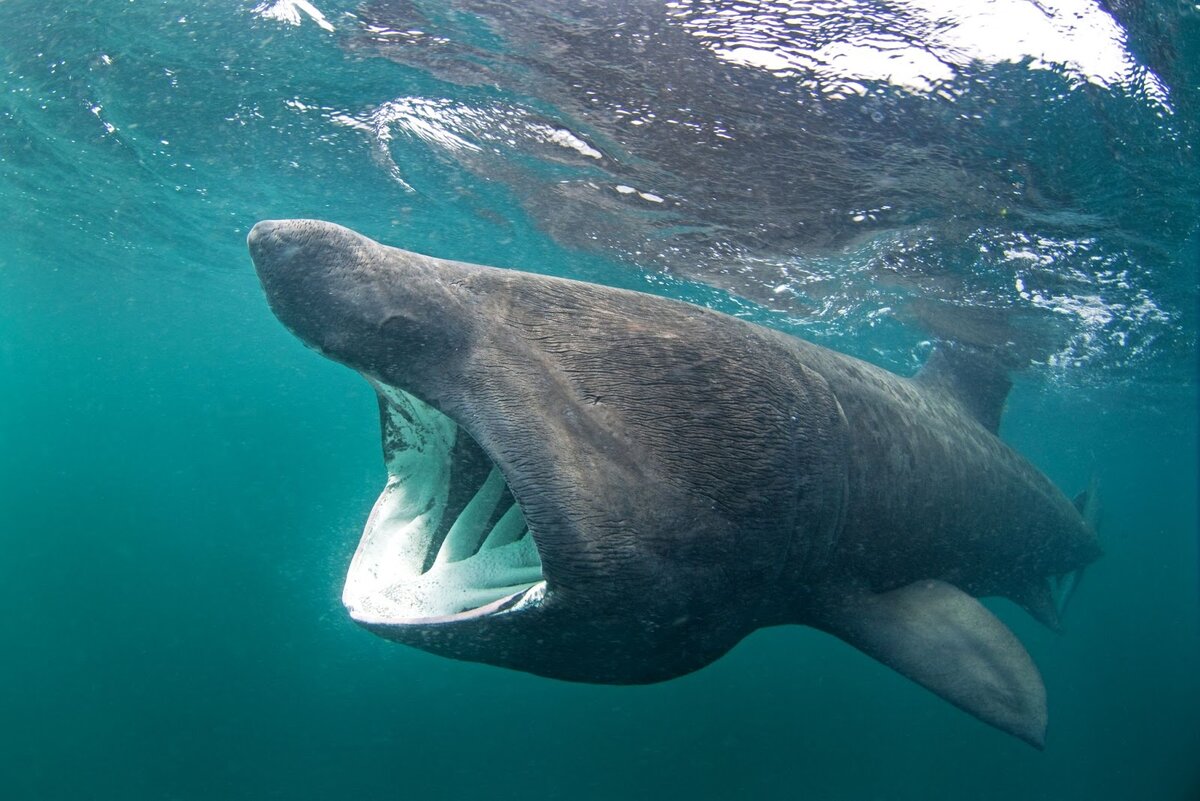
pixel 308 271
pixel 267 240
pixel 282 250
pixel 385 312
pixel 261 231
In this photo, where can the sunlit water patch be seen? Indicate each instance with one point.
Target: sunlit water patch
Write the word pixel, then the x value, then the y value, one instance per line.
pixel 758 147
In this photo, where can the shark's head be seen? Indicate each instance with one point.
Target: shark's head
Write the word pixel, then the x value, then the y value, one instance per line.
pixel 583 482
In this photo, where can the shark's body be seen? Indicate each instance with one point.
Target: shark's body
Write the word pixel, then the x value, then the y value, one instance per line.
pixel 602 485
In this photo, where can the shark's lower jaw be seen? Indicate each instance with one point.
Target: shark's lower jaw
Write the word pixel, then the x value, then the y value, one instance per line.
pixel 446 540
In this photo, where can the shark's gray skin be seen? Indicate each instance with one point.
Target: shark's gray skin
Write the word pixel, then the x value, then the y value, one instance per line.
pixel 681 478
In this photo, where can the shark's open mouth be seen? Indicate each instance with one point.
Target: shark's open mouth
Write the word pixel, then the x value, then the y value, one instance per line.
pixel 446 539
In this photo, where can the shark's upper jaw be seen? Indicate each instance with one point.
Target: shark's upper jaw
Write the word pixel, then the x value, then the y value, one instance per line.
pixel 446 540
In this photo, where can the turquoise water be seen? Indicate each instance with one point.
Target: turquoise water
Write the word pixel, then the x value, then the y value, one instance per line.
pixel 182 483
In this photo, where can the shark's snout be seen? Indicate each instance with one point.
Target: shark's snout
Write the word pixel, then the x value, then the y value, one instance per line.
pixel 261 231
pixel 297 251
pixel 304 285
pixel 270 245
pixel 339 293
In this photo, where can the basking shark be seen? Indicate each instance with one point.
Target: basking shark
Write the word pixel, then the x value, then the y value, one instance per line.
pixel 601 485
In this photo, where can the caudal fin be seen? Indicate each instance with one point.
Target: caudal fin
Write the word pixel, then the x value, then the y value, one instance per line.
pixel 1088 503
pixel 1064 586
pixel 1039 598
pixel 1046 597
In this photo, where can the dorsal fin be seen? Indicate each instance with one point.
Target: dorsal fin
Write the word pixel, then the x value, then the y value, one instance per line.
pixel 974 378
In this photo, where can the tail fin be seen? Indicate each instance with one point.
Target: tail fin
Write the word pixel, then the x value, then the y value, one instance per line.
pixel 1088 503
pixel 1046 597
pixel 1063 587
pixel 1038 598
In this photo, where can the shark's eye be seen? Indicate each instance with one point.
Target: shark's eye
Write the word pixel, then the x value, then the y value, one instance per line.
pixel 446 536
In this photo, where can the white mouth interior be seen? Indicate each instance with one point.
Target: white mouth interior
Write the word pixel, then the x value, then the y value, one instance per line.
pixel 413 563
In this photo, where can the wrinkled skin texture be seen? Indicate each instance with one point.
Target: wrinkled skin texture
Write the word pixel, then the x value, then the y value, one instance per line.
pixel 648 512
pixel 689 477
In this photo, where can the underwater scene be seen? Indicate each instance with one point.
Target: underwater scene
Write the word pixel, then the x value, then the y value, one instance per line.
pixel 748 344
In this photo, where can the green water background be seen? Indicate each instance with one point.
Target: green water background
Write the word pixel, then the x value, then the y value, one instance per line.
pixel 182 485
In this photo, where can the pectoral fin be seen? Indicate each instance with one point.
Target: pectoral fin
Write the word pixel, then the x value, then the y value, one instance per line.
pixel 946 641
